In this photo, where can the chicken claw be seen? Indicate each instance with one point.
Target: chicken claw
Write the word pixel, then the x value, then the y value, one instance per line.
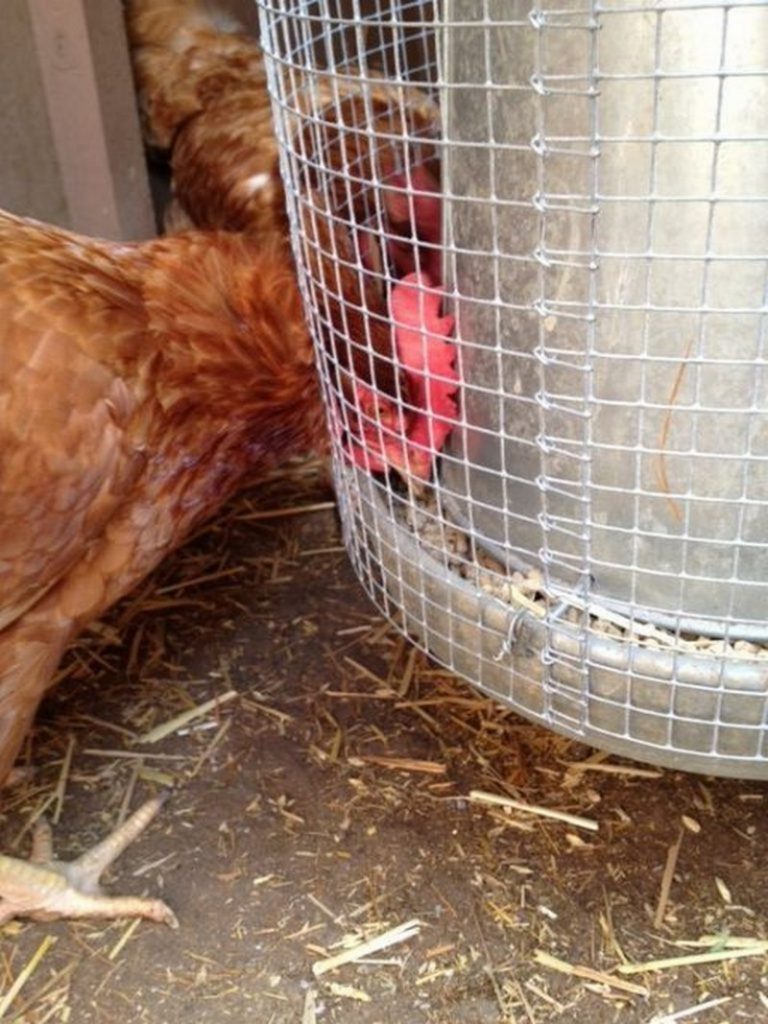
pixel 44 889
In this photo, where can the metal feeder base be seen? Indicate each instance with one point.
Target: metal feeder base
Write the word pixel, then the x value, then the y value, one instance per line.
pixel 677 710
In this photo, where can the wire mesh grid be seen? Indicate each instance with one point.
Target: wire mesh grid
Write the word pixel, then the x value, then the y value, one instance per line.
pixel 578 197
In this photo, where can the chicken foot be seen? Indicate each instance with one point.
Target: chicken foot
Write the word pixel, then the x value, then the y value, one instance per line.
pixel 44 889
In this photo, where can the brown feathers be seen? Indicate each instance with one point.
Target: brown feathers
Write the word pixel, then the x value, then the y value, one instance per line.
pixel 203 96
pixel 139 386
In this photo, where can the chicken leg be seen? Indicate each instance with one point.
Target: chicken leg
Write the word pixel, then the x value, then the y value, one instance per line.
pixel 44 889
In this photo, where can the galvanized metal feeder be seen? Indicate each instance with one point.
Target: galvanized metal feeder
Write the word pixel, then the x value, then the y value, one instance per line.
pixel 594 551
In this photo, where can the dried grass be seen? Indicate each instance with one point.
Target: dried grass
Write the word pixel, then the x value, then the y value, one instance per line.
pixel 392 737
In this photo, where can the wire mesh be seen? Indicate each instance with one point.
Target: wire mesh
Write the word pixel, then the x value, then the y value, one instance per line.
pixel 590 544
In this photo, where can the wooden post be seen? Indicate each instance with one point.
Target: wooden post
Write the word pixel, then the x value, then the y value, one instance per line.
pixel 74 154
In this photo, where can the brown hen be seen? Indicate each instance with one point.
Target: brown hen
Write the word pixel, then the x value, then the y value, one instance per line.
pixel 203 94
pixel 140 386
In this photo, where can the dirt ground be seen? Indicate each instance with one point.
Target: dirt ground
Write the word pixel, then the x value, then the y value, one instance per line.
pixel 328 801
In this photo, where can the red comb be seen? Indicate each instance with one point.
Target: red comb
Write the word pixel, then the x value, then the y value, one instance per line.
pixel 427 357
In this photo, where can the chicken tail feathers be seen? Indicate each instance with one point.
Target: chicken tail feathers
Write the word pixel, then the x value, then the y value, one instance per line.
pixel 174 44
